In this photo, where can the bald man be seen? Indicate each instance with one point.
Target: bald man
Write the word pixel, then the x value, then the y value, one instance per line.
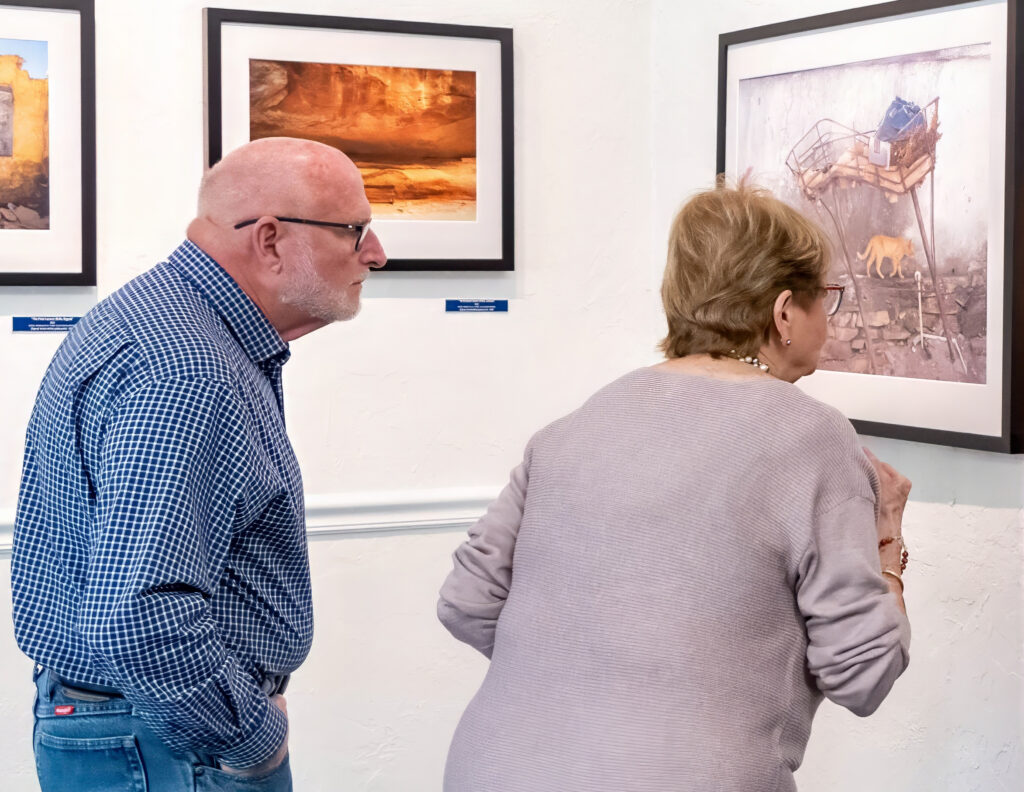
pixel 160 572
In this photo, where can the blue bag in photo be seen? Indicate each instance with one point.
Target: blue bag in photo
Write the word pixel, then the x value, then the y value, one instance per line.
pixel 902 119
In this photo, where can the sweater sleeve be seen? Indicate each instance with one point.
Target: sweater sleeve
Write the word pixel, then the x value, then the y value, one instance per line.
pixel 474 593
pixel 858 638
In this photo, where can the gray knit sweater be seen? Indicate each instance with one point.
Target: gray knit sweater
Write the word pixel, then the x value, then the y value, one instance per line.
pixel 673 577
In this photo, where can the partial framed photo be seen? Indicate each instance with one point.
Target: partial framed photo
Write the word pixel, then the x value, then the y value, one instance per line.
pixel 424 111
pixel 47 143
pixel 893 126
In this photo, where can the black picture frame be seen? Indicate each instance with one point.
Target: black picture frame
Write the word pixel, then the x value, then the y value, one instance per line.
pixel 1010 437
pixel 216 18
pixel 86 272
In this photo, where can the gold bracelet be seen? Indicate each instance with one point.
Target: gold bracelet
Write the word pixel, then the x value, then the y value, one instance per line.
pixel 893 573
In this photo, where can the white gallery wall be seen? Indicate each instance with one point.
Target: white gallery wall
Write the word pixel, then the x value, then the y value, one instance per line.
pixel 407 419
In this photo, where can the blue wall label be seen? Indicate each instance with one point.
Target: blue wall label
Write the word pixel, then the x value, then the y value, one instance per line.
pixel 476 306
pixel 43 324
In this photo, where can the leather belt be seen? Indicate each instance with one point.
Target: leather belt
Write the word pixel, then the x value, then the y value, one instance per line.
pixel 272 685
pixel 87 687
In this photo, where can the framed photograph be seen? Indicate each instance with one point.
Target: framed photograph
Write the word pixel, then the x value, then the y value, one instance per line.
pixel 47 143
pixel 895 127
pixel 424 110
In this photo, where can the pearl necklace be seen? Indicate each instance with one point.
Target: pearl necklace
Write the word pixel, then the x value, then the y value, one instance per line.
pixel 753 361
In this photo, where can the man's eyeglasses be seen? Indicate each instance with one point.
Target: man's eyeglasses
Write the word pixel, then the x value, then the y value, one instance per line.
pixel 833 297
pixel 362 230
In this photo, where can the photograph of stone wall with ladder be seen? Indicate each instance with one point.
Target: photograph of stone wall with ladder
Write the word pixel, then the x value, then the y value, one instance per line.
pixel 926 325
pixel 860 147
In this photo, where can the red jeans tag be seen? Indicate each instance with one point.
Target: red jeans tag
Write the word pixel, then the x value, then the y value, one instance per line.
pixel 64 709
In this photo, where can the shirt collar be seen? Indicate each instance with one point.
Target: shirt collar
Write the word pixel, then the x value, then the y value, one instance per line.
pixel 254 332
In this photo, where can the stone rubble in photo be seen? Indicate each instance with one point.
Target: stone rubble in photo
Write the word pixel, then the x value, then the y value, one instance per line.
pixel 21 217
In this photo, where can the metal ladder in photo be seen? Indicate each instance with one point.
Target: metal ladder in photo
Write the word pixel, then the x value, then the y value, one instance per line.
pixel 831 158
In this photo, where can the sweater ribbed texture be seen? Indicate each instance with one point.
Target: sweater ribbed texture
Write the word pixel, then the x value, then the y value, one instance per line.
pixel 673 577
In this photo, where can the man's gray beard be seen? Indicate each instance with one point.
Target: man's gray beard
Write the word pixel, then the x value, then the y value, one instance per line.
pixel 308 291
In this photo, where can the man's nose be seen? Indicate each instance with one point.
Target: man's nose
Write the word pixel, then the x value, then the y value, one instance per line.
pixel 375 251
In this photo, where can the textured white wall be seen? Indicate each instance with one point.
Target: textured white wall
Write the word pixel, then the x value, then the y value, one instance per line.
pixel 615 108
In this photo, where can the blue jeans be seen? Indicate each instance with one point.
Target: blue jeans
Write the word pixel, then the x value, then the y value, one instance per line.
pixel 87 742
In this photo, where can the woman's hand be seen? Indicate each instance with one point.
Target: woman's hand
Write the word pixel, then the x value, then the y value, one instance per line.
pixel 893 491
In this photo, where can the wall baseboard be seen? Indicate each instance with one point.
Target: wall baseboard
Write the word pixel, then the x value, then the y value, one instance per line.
pixel 342 514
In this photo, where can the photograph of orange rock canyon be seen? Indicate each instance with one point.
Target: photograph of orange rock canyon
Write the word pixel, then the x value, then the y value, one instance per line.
pixel 411 132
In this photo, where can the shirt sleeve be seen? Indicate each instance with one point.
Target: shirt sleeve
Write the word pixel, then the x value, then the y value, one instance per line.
pixel 475 591
pixel 858 638
pixel 176 458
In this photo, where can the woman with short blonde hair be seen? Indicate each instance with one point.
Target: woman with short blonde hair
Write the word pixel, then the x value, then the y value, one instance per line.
pixel 683 567
pixel 731 253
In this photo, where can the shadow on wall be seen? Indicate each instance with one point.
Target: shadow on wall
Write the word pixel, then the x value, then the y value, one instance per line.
pixel 954 475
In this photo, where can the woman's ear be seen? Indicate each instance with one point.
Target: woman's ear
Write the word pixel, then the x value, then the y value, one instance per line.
pixel 782 315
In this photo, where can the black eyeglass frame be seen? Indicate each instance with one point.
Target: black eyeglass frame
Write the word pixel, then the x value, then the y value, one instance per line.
pixel 361 229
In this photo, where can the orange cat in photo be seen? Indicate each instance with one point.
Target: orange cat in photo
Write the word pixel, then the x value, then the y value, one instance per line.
pixel 884 247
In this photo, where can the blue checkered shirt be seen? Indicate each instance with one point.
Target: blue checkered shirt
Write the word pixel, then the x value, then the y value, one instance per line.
pixel 159 543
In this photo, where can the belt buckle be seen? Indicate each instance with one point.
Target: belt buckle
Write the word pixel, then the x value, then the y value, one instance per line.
pixel 274 684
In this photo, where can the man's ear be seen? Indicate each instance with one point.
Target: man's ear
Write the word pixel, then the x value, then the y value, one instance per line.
pixel 266 236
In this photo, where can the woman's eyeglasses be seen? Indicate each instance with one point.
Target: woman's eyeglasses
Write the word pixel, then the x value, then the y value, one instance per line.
pixel 833 297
